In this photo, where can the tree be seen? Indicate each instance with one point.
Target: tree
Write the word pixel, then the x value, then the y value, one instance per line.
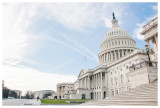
pixel 46 95
pixel 13 94
pixel 29 95
pixel 5 92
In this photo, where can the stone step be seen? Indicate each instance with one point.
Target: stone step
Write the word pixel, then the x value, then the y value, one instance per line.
pixel 123 101
pixel 141 91
pixel 122 104
pixel 132 98
pixel 148 88
pixel 154 95
pixel 138 93
pixel 144 95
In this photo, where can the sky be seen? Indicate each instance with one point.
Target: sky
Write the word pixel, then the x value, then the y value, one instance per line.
pixel 47 43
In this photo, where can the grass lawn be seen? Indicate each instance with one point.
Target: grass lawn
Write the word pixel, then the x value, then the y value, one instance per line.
pixel 59 101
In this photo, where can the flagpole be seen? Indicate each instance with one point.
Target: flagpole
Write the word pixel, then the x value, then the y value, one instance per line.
pixel 85 62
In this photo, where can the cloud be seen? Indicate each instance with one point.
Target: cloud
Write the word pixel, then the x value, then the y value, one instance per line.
pixel 138 30
pixel 65 63
pixel 82 16
pixel 155 7
pixel 19 42
pixel 17 18
pixel 80 46
pixel 66 45
pixel 22 78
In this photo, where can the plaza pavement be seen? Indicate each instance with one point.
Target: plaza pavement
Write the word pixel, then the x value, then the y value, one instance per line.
pixel 19 102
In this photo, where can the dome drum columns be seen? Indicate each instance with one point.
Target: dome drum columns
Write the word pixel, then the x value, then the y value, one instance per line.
pixel 113 55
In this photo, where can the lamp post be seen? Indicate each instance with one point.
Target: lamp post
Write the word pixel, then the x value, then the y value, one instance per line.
pixel 147 49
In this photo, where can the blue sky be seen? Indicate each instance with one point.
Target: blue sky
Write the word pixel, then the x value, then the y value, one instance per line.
pixel 50 39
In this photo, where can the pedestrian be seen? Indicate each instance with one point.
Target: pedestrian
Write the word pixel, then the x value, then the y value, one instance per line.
pixel 37 98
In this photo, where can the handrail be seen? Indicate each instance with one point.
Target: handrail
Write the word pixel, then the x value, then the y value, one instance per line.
pixel 141 65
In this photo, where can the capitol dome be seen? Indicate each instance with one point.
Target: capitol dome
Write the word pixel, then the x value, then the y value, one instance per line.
pixel 117 43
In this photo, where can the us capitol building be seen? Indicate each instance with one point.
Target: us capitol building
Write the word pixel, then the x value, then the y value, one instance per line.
pixel 122 67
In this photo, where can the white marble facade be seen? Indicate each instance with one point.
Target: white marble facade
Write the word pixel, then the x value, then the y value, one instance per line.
pixel 112 76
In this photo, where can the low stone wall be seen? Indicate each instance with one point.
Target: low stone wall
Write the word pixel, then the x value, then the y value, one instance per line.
pixel 142 76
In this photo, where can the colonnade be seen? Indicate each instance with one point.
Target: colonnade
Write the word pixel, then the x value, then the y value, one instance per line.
pixel 95 81
pixel 60 90
pixel 113 55
pixel 154 40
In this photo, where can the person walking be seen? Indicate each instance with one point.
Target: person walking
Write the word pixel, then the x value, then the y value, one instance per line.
pixel 37 98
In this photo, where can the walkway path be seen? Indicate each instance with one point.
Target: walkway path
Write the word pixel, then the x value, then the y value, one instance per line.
pixel 17 102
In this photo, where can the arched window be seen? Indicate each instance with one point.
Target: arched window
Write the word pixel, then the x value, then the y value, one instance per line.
pixel 111 81
pixel 115 78
pixel 121 79
pixel 127 79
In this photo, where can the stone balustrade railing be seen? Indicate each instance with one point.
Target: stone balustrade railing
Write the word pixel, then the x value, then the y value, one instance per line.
pixel 141 65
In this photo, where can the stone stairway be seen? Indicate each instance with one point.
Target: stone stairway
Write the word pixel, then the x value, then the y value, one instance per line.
pixel 144 95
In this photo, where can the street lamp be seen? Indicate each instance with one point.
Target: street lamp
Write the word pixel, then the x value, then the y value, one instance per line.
pixel 147 49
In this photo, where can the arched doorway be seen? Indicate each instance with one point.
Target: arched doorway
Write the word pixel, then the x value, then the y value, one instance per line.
pixel 104 95
pixel 112 93
pixel 55 97
pixel 83 96
pixel 59 97
pixel 92 94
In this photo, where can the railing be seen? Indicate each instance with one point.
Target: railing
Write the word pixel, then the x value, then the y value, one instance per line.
pixel 141 65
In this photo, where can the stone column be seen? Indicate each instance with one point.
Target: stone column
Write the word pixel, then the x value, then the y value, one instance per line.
pixel 88 82
pixel 101 80
pixel 147 41
pixel 118 53
pixel 106 57
pixel 81 83
pixel 126 51
pixel 94 81
pixel 111 56
pixel 84 82
pixel 115 55
pixel 98 79
pixel 106 78
pixel 156 40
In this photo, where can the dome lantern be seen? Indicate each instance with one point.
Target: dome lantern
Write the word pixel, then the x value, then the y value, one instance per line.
pixel 114 21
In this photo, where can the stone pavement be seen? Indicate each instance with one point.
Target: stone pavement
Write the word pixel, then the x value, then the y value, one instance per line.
pixel 19 102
